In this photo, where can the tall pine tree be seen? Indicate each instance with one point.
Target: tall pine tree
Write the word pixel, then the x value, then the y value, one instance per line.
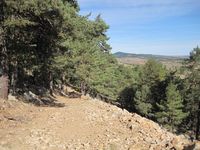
pixel 192 88
pixel 171 109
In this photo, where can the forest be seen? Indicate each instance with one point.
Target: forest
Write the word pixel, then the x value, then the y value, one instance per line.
pixel 47 44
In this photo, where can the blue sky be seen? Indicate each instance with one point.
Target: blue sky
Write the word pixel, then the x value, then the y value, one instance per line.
pixel 170 27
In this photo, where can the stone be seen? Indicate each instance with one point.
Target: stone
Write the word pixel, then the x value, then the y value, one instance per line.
pixel 12 98
pixel 197 145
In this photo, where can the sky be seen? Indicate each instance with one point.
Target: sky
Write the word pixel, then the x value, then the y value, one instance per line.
pixel 163 27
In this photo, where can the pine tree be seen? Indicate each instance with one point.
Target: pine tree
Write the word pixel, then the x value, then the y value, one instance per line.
pixel 45 44
pixel 32 33
pixel 152 72
pixel 192 88
pixel 149 92
pixel 142 102
pixel 171 109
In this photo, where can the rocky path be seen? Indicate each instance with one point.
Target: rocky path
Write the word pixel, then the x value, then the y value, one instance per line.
pixel 83 124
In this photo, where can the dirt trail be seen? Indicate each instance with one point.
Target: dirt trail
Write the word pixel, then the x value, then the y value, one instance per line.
pixel 81 124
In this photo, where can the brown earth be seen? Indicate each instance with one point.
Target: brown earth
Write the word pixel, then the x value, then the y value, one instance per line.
pixel 83 124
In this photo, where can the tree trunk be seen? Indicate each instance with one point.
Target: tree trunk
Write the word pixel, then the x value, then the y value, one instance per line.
pixel 83 90
pixel 50 83
pixel 4 76
pixel 4 87
pixel 62 83
pixel 3 55
pixel 14 78
pixel 198 123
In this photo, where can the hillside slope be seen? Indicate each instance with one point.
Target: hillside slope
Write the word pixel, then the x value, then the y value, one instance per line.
pixel 82 124
pixel 148 56
pixel 141 59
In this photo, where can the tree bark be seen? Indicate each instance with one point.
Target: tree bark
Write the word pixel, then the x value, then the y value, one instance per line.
pixel 51 83
pixel 83 88
pixel 14 78
pixel 4 76
pixel 62 83
pixel 3 54
pixel 4 87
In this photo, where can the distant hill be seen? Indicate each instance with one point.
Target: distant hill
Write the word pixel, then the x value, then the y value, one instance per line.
pixel 140 59
pixel 147 56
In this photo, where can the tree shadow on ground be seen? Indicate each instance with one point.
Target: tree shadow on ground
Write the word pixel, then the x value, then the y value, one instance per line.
pixel 43 101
